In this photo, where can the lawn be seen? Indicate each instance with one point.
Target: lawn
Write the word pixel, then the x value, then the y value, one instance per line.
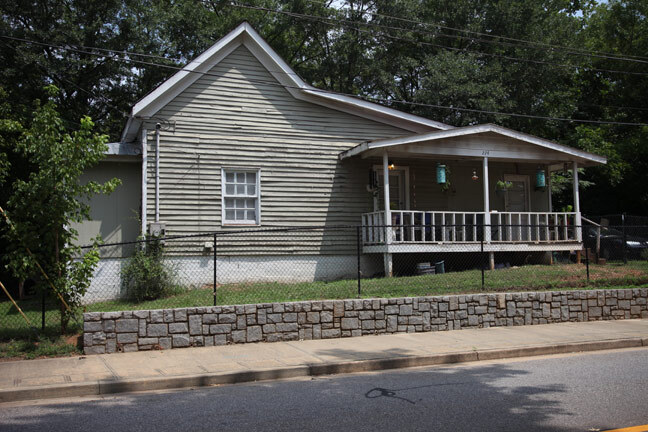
pixel 35 348
pixel 525 278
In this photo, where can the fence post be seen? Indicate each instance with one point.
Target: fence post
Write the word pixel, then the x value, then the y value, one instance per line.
pixel 587 264
pixel 483 258
pixel 623 227
pixel 358 248
pixel 215 266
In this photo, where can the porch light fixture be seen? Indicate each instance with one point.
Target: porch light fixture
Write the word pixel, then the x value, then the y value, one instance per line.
pixel 391 165
pixel 541 179
pixel 475 177
pixel 440 173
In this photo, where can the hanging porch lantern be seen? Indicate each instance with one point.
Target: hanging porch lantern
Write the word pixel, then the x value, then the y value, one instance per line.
pixel 541 180
pixel 440 173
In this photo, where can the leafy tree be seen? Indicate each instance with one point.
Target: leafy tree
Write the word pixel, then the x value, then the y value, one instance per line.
pixel 43 205
pixel 357 46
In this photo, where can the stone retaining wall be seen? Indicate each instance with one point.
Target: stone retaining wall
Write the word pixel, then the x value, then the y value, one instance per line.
pixel 108 332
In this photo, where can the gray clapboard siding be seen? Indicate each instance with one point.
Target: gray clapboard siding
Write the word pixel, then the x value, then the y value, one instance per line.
pixel 238 118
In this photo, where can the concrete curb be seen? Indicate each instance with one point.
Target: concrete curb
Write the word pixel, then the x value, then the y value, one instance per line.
pixel 104 387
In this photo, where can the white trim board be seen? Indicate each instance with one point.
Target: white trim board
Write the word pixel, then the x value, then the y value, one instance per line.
pixel 230 223
pixel 471 247
pixel 425 138
pixel 245 35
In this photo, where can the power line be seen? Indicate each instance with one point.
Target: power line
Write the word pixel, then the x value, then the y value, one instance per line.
pixel 334 21
pixel 542 45
pixel 72 83
pixel 313 89
pixel 85 50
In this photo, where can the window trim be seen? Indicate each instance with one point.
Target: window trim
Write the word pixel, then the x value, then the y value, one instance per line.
pixel 257 171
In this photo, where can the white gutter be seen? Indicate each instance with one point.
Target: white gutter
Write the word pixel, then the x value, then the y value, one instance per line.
pixel 144 178
pixel 157 172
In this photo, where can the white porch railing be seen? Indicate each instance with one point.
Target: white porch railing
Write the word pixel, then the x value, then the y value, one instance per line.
pixel 467 227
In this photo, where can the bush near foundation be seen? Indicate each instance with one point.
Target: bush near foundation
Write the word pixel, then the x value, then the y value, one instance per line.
pixel 147 276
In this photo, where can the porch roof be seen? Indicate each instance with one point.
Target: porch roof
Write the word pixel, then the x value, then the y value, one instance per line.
pixel 492 141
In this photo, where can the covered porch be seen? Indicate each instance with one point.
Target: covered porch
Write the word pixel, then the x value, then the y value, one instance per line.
pixel 470 189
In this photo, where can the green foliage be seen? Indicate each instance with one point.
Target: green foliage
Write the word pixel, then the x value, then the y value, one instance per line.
pixel 445 187
pixel 77 279
pixel 503 185
pixel 43 204
pixel 644 254
pixel 358 47
pixel 562 187
pixel 147 276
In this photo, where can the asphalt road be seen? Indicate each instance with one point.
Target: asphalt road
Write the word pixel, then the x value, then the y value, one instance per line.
pixel 595 391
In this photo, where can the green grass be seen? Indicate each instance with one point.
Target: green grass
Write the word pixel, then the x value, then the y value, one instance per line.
pixel 530 277
pixel 21 342
pixel 14 326
pixel 32 348
pixel 525 278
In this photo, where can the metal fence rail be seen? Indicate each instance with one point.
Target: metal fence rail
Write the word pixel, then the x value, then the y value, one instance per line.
pixel 309 263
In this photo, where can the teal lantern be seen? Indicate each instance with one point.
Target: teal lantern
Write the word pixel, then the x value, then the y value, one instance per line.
pixel 441 173
pixel 541 180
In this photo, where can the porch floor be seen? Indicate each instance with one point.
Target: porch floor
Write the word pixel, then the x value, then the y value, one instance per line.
pixel 419 247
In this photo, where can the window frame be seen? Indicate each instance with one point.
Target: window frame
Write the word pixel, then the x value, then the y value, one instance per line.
pixel 224 196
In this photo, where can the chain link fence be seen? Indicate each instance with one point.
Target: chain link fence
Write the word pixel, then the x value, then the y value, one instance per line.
pixel 311 263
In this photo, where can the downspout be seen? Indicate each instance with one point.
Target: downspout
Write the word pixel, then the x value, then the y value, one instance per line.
pixel 157 172
pixel 144 178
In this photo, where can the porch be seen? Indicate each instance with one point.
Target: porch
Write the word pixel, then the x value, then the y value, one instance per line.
pixel 472 215
pixel 448 231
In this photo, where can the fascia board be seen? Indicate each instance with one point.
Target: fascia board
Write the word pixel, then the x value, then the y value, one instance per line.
pixel 549 144
pixel 471 130
pixel 380 113
pixel 179 82
pixel 183 78
pixel 245 35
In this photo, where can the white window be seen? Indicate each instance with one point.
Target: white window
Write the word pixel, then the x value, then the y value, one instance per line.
pixel 241 196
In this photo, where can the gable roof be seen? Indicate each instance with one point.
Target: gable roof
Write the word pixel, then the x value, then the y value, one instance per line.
pixel 245 35
pixel 574 154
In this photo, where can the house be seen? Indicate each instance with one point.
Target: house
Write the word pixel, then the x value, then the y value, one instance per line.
pixel 237 139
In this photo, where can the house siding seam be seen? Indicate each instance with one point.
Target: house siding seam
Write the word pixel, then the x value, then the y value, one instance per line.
pixel 239 119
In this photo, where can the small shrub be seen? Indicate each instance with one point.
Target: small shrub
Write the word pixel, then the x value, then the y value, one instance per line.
pixel 147 276
pixel 644 254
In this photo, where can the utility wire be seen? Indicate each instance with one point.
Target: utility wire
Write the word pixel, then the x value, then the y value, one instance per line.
pixel 520 42
pixel 313 89
pixel 352 24
pixel 107 101
pixel 85 50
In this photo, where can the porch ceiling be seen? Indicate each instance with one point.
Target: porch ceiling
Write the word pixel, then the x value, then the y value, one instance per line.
pixel 488 140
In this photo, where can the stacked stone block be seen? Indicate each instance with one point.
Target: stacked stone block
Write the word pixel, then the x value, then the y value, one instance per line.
pixel 108 332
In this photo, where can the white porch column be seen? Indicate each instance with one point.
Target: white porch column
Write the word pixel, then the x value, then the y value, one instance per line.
pixel 388 262
pixel 549 188
pixel 487 218
pixel 577 218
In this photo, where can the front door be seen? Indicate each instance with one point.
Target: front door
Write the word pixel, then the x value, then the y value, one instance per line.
pixel 516 200
pixel 517 197
pixel 397 190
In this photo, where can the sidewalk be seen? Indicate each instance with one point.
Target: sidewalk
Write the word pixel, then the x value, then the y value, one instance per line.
pixel 193 367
